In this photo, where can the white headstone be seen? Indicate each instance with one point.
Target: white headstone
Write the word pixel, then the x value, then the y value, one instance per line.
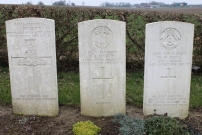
pixel 32 65
pixel 168 61
pixel 102 60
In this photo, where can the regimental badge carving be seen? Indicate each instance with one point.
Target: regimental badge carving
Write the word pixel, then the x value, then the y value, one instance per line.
pixel 102 36
pixel 170 38
pixel 31 58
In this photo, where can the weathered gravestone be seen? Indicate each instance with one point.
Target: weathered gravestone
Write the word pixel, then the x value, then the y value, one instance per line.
pixel 168 61
pixel 32 65
pixel 102 61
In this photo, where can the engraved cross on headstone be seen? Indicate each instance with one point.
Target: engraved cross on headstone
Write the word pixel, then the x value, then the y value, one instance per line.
pixel 168 77
pixel 30 61
pixel 103 78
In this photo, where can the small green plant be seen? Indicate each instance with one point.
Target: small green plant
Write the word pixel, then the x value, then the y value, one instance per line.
pixel 129 126
pixel 85 128
pixel 163 125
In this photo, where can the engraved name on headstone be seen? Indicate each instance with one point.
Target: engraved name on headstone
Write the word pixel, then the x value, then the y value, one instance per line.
pixel 102 67
pixel 168 60
pixel 32 65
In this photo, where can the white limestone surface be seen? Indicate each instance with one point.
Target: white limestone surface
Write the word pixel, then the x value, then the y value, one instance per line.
pixel 168 61
pixel 32 65
pixel 102 63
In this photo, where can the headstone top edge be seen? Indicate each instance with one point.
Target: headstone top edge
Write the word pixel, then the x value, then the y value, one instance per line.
pixel 94 20
pixel 167 22
pixel 38 18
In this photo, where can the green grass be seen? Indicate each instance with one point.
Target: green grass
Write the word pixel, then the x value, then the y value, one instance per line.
pixel 5 92
pixel 69 88
pixel 134 88
pixel 196 92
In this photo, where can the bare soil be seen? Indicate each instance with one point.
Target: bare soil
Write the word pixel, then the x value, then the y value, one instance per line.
pixel 62 124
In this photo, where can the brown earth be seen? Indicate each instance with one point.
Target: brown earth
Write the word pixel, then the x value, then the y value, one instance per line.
pixel 62 124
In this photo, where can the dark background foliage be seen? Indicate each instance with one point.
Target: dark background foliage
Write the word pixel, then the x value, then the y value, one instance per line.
pixel 66 28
